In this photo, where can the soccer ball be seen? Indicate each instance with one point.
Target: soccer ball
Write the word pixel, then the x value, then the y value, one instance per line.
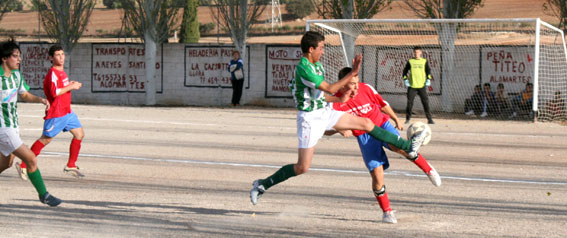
pixel 417 127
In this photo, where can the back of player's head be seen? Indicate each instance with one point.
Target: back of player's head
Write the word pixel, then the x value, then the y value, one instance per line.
pixel 7 48
pixel 54 48
pixel 311 39
pixel 417 48
pixel 344 72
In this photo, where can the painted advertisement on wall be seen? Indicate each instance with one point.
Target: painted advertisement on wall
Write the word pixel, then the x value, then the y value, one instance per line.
pixel 35 63
pixel 280 67
pixel 511 66
pixel 207 66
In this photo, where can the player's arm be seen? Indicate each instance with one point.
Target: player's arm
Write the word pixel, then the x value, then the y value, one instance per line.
pixel 405 73
pixel 73 85
pixel 428 70
pixel 28 97
pixel 344 133
pixel 334 87
pixel 388 110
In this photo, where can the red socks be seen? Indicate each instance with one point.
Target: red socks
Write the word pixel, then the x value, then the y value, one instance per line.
pixel 384 202
pixel 422 163
pixel 36 149
pixel 74 152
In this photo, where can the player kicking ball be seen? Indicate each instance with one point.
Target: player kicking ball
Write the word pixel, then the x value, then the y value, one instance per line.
pixel 11 85
pixel 59 116
pixel 315 116
pixel 364 101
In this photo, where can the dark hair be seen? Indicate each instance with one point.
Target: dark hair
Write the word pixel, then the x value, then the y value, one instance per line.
pixel 417 48
pixel 477 86
pixel 8 47
pixel 487 84
pixel 500 85
pixel 344 71
pixel 311 39
pixel 529 84
pixel 54 48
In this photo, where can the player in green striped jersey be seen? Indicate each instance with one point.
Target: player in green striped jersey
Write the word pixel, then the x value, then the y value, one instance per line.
pixel 13 85
pixel 311 94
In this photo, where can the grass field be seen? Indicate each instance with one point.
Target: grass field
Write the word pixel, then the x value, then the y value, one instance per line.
pixel 186 172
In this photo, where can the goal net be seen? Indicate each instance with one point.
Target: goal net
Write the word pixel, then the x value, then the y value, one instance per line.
pixel 511 54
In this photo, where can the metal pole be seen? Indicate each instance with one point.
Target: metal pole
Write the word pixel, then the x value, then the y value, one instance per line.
pixel 218 24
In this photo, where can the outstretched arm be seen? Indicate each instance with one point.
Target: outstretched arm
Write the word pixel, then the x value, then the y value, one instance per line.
pixel 388 110
pixel 73 85
pixel 28 97
pixel 334 87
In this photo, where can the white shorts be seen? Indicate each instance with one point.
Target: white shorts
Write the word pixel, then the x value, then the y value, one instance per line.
pixel 311 126
pixel 9 140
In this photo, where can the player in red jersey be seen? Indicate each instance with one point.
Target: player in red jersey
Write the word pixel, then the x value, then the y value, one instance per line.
pixel 59 117
pixel 366 102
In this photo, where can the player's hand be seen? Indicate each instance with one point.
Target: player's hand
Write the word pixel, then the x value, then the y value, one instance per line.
pixel 346 133
pixel 356 63
pixel 399 125
pixel 76 85
pixel 406 82
pixel 45 102
pixel 427 82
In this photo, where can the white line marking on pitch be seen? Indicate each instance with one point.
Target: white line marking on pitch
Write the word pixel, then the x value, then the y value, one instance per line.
pixel 400 173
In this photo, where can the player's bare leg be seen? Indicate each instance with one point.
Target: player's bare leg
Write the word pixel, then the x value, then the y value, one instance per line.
pixel 379 190
pixel 36 149
pixel 304 158
pixel 24 153
pixel 351 122
pixel 74 148
pixel 6 161
pixel 422 163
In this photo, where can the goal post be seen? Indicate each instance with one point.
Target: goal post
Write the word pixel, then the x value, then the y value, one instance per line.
pixel 462 54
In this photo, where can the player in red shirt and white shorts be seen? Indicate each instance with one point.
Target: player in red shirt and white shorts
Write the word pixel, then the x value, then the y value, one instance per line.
pixel 366 102
pixel 59 117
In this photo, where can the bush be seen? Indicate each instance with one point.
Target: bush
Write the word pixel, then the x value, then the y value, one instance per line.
pixel 14 5
pixel 111 4
pixel 299 8
pixel 206 28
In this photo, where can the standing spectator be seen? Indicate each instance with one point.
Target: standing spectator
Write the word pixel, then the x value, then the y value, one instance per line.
pixel 501 99
pixel 419 80
pixel 523 102
pixel 473 105
pixel 488 100
pixel 236 69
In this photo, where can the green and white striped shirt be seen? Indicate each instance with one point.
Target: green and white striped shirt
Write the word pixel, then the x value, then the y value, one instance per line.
pixel 303 87
pixel 10 87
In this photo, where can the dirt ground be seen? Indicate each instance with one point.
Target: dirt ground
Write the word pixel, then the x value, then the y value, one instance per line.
pixel 187 172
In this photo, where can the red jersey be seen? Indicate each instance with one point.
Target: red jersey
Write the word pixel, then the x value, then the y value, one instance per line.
pixel 54 81
pixel 367 103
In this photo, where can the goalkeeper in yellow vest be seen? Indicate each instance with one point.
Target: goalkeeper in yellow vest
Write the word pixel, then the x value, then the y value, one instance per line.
pixel 417 83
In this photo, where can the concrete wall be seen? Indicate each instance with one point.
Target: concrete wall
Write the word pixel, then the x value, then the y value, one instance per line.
pixel 196 74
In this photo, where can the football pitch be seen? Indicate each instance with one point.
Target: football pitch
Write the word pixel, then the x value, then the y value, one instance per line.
pixel 187 172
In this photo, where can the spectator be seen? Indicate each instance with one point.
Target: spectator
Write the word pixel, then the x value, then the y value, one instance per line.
pixel 488 100
pixel 501 99
pixel 523 102
pixel 473 104
pixel 236 69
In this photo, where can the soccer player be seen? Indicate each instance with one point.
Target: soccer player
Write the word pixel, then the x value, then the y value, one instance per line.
pixel 420 79
pixel 59 116
pixel 365 102
pixel 11 85
pixel 315 117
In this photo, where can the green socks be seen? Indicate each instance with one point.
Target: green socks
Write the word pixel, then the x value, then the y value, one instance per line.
pixel 279 176
pixel 390 138
pixel 37 182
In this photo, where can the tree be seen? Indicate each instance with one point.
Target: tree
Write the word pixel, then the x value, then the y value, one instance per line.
pixel 349 9
pixel 190 27
pixel 299 8
pixel 65 20
pixel 449 9
pixel 152 21
pixel 557 8
pixel 237 17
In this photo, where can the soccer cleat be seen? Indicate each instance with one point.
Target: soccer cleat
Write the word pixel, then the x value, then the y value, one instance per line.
pixel 49 200
pixel 23 172
pixel 416 142
pixel 74 171
pixel 434 176
pixel 484 114
pixel 430 121
pixel 469 113
pixel 256 192
pixel 388 217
